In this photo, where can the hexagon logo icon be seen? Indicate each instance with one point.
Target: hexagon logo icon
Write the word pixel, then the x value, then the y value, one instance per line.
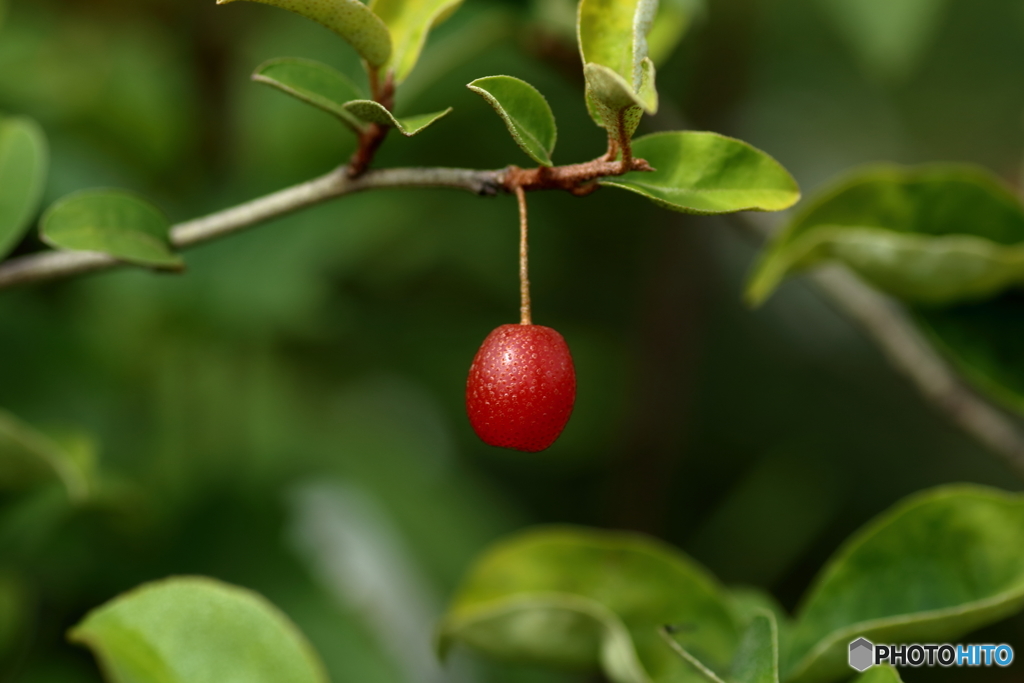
pixel 861 654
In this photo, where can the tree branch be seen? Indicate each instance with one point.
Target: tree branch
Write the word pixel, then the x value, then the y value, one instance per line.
pixel 889 326
pixel 50 265
pixel 885 323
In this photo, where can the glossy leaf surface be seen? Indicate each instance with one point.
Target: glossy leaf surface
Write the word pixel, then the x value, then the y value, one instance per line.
pixel 112 222
pixel 409 22
pixel 314 83
pixel 28 456
pixel 373 112
pixel 707 173
pixel 23 163
pixel 350 19
pixel 196 630
pixel 525 112
pixel 569 597
pixel 930 235
pixel 938 565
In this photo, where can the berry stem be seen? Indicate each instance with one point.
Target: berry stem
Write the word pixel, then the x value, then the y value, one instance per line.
pixel 524 270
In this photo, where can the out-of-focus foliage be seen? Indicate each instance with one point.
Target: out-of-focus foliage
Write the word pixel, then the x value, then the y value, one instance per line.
pixel 23 161
pixel 330 348
pixel 579 598
pixel 933 235
pixel 932 569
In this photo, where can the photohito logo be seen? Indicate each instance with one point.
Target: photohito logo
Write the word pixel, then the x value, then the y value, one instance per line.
pixel 865 654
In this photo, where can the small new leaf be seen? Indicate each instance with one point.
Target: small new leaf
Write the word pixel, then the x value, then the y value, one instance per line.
pixel 350 19
pixel 612 101
pixel 525 112
pixel 620 77
pixel 23 162
pixel 707 173
pixel 314 83
pixel 967 545
pixel 196 630
pixel 113 222
pixel 373 112
pixel 409 22
pixel 933 235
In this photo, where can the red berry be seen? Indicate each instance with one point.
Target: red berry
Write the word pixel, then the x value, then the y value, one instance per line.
pixel 521 388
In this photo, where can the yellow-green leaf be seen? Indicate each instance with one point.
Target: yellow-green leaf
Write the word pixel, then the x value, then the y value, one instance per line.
pixel 350 19
pixel 373 112
pixel 619 75
pixel 409 22
pixel 707 173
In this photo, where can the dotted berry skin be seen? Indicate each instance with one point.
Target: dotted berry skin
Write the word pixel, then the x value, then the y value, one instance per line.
pixel 521 387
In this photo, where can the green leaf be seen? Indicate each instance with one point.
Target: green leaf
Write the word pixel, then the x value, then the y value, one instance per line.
pixel 113 222
pixel 707 173
pixel 409 22
pixel 933 234
pixel 196 630
pixel 350 19
pixel 982 341
pixel 613 33
pixel 938 565
pixel 373 112
pixel 888 38
pixel 673 19
pixel 879 674
pixel 756 659
pixel 525 112
pixel 28 456
pixel 314 83
pixel 23 161
pixel 613 103
pixel 619 75
pixel 570 597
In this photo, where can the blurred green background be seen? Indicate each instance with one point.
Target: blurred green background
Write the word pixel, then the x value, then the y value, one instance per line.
pixel 288 415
